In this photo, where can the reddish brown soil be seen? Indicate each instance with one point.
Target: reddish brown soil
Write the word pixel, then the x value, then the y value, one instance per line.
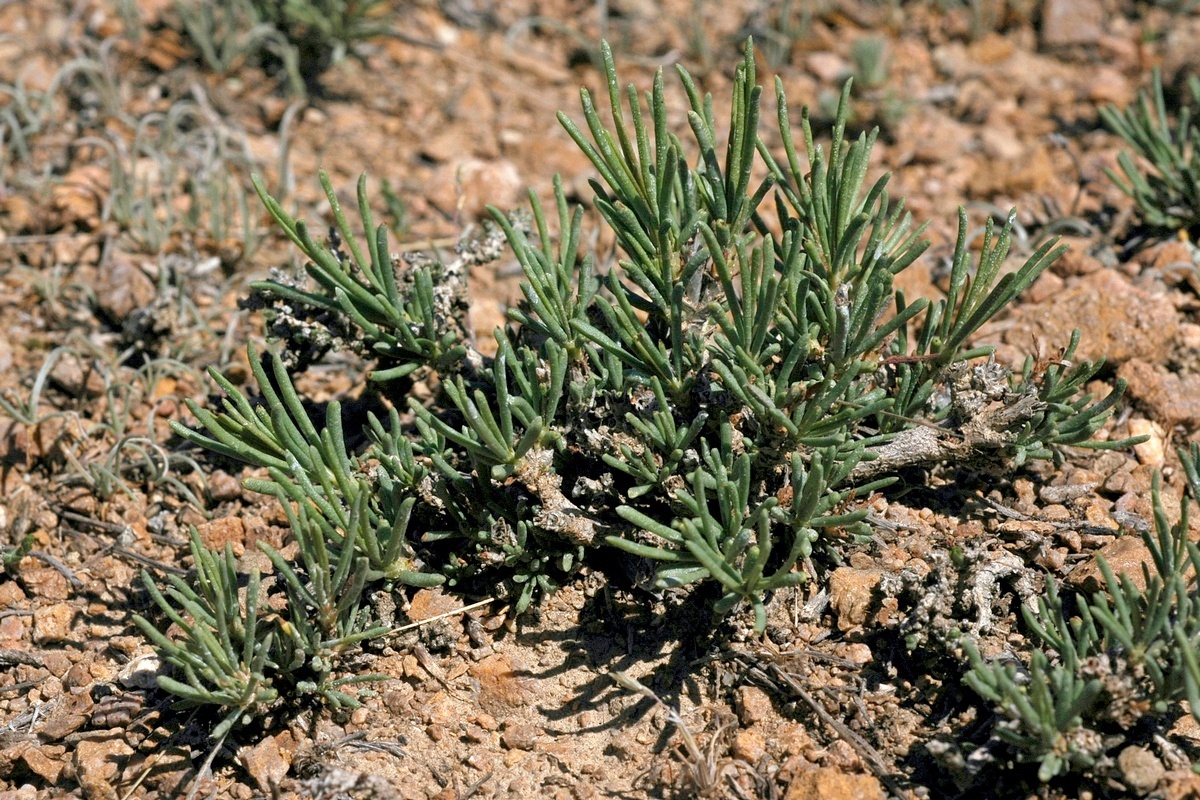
pixel 985 104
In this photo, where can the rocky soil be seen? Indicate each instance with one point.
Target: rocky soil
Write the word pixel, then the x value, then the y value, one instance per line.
pixel 128 233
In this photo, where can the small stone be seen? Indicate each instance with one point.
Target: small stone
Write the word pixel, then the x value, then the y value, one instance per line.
pixel 1071 23
pixel 857 653
pixel 124 288
pixel 991 48
pixel 794 739
pixel 487 722
pixel 223 487
pixel 850 593
pixel 1079 258
pixel 1125 556
pixel 141 672
pixel 217 533
pixel 1045 287
pixel 827 67
pixel 827 783
pixel 429 603
pixel 70 714
pixel 173 769
pixel 1187 727
pixel 266 762
pixel 749 745
pixel 46 761
pixel 42 581
pixel 1168 397
pixel 1179 784
pixel 501 684
pixel 1140 769
pixel 1179 53
pixel 1143 325
pixel 12 630
pixel 474 734
pixel 1150 452
pixel 1109 85
pixel 98 763
pixel 753 705
pixel 76 377
pixel 53 623
pixel 520 737
pixel 410 667
pixel 1001 144
pixel 11 595
pixel 463 187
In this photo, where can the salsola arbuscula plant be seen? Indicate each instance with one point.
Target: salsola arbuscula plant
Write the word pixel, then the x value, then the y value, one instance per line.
pixel 725 393
pixel 1106 665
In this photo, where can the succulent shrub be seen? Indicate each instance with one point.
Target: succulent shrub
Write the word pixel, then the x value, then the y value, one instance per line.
pixel 303 38
pixel 1123 656
pixel 1165 186
pixel 714 402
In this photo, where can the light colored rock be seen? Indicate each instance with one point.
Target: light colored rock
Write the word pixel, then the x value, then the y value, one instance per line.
pixel 123 288
pixel 501 684
pixel 1071 23
pixel 520 737
pixel 1124 555
pixel 1109 85
pixel 46 761
pixel 1151 452
pixel 749 745
pixel 827 783
pixel 98 764
pixel 1180 784
pixel 1179 51
pixel 70 713
pixel 753 705
pixel 1045 287
pixel 52 623
pixel 1143 325
pixel 266 762
pixel 217 533
pixel 1001 143
pixel 141 672
pixel 827 67
pixel 12 630
pixel 1169 397
pixel 11 595
pixel 430 603
pixel 42 581
pixel 857 653
pixel 850 594
pixel 1140 769
pixel 463 187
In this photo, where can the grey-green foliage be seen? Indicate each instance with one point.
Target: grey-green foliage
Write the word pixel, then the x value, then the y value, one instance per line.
pixel 223 653
pixel 709 402
pixel 304 36
pixel 324 31
pixel 705 402
pixel 1166 189
pixel 1123 654
pixel 244 650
